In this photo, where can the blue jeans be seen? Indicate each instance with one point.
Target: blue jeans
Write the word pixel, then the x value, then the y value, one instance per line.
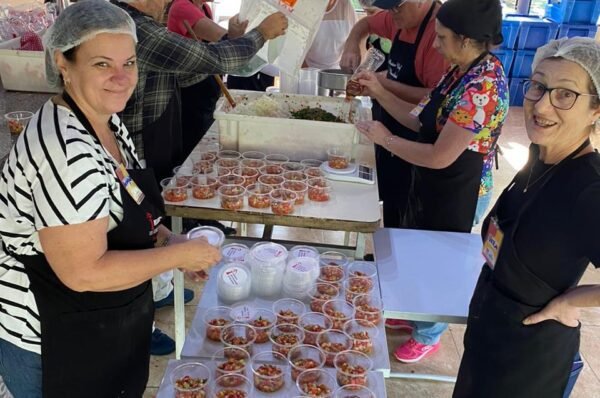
pixel 428 333
pixel 575 370
pixel 483 202
pixel 21 371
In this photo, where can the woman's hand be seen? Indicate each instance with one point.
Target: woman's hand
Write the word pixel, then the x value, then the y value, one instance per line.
pixel 236 28
pixel 374 131
pixel 199 256
pixel 371 85
pixel 273 26
pixel 558 309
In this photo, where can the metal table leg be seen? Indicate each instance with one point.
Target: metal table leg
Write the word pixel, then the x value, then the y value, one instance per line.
pixel 361 240
pixel 176 227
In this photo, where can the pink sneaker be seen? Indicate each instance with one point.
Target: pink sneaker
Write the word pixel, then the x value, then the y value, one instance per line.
pixel 398 324
pixel 413 351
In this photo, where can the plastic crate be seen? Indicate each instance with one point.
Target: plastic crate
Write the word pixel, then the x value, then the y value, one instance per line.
pixel 522 64
pixel 506 56
pixel 510 30
pixel 577 30
pixel 24 71
pixel 585 12
pixel 516 91
pixel 534 32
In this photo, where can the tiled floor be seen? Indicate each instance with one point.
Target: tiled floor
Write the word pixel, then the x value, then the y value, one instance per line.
pixel 514 144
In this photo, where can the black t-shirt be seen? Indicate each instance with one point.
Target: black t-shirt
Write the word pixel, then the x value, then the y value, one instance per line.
pixel 558 235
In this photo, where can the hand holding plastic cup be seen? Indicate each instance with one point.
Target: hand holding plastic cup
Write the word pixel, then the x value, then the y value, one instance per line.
pixel 373 60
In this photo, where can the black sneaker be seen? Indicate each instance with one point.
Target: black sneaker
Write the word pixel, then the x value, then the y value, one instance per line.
pixel 161 344
pixel 188 295
pixel 369 257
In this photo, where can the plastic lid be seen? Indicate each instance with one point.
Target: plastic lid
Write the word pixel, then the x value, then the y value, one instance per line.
pixel 215 236
pixel 234 252
pixel 269 252
pixel 243 312
pixel 302 269
pixel 304 251
pixel 234 275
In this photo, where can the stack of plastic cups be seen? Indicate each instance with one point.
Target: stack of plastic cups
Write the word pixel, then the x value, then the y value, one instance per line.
pixel 234 252
pixel 300 276
pixel 234 282
pixel 267 264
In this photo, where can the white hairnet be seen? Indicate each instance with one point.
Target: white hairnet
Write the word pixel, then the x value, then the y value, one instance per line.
pixel 584 51
pixel 78 23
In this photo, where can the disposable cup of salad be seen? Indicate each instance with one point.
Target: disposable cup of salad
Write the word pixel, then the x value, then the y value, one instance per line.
pixel 238 335
pixel 366 269
pixel 183 174
pixel 283 201
pixel 254 163
pixel 311 162
pixel 304 357
pixel 269 371
pixel 243 388
pixel 353 391
pixel 293 166
pixel 249 174
pixel 204 186
pixel 232 196
pixel 298 187
pixel 339 311
pixel 230 361
pixel 320 294
pixel 274 181
pixel 332 274
pixel 368 308
pixel 332 257
pixel 316 383
pixel 253 155
pixel 223 171
pixel 314 323
pixel 228 163
pixel 271 169
pixel 363 334
pixel 285 337
pixel 352 367
pixel 313 172
pixel 174 191
pixel 259 196
pixel 262 321
pixel 228 154
pixel 294 176
pixel 319 190
pixel 276 158
pixel 203 162
pixel 356 287
pixel 215 319
pixel 288 310
pixel 231 179
pixel 17 121
pixel 190 380
pixel 332 342
pixel 212 147
pixel 338 158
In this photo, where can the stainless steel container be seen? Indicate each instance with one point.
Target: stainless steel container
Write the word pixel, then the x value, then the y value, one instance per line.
pixel 332 82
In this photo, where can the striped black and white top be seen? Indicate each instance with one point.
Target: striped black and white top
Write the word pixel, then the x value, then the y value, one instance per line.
pixel 56 174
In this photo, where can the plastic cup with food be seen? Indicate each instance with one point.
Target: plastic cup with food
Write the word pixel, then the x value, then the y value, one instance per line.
pixel 17 121
pixel 283 201
pixel 249 174
pixel 259 196
pixel 229 154
pixel 253 163
pixel 338 158
pixel 293 166
pixel 243 389
pixel 319 190
pixel 203 162
pixel 238 335
pixel 304 357
pixel 352 367
pixel 273 181
pixel 294 176
pixel 368 308
pixel 353 391
pixel 269 371
pixel 262 321
pixel 276 158
pixel 253 155
pixel 228 362
pixel 183 174
pixel 215 319
pixel 285 337
pixel 332 342
pixel 271 169
pixel 363 333
pixel 313 172
pixel 231 179
pixel 214 148
pixel 204 186
pixel 355 287
pixel 311 162
pixel 314 323
pixel 288 310
pixel 300 251
pixel 232 196
pixel 190 380
pixel 333 258
pixel 321 293
pixel 361 269
pixel 316 383
pixel 339 311
pixel 332 274
pixel 228 164
pixel 173 191
pixel 298 187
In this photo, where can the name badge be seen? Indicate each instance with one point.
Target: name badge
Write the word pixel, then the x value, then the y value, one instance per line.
pixel 416 111
pixel 130 186
pixel 492 243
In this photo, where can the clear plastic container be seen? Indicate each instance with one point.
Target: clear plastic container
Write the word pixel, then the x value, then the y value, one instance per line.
pixel 311 162
pixel 353 391
pixel 316 383
pixel 288 311
pixel 339 311
pixel 215 319
pixel 228 164
pixel 355 287
pixel 253 155
pixel 333 258
pixel 314 323
pixel 363 333
pixel 234 252
pixel 228 154
pixel 368 308
pixel 271 180
pixel 301 272
pixel 230 361
pixel 253 163
pixel 269 371
pixel 365 269
pixel 214 236
pixel 338 159
pixel 232 196
pixel 231 179
pixel 321 293
pixel 372 60
pixel 352 367
pixel 17 121
pixel 234 282
pixel 183 174
pixel 263 321
pixel 293 166
pixel 298 187
pixel 243 388
pixel 313 172
pixel 190 380
pixel 173 192
pixel 203 162
pixel 249 174
pixel 259 196
pixel 294 176
pixel 238 335
pixel 333 342
pixel 332 274
pixel 304 357
pixel 267 264
pixel 284 337
pixel 271 169
pixel 300 251
pixel 319 190
pixel 283 201
pixel 204 187
pixel 276 158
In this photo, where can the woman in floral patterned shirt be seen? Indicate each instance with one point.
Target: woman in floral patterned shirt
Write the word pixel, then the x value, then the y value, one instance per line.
pixel 458 124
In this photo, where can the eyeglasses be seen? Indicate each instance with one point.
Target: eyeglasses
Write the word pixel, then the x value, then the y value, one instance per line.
pixel 397 7
pixel 560 98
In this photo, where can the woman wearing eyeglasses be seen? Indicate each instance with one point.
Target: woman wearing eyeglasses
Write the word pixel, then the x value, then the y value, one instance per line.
pixel 523 329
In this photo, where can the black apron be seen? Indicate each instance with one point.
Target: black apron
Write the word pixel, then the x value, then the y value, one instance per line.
pixel 444 199
pixel 530 361
pixel 394 175
pixel 97 344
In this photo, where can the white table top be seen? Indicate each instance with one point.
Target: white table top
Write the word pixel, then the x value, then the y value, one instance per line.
pixel 427 275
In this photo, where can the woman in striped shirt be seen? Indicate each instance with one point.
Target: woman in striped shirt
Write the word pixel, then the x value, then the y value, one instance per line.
pixel 79 222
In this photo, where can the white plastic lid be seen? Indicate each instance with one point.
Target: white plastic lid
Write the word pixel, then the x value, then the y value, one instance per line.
pixel 304 251
pixel 302 269
pixel 269 252
pixel 214 236
pixel 234 275
pixel 234 252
